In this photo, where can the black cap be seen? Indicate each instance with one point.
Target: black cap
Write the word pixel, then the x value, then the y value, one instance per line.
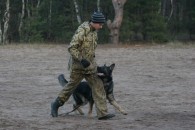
pixel 98 17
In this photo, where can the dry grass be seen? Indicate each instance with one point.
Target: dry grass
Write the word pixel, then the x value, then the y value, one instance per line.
pixel 154 83
pixel 176 44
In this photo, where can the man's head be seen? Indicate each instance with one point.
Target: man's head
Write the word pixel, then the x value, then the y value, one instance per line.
pixel 97 20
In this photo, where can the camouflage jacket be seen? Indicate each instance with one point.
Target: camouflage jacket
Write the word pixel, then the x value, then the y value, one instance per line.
pixel 82 46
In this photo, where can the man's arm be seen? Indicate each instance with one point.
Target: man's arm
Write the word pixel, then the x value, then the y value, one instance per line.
pixel 75 44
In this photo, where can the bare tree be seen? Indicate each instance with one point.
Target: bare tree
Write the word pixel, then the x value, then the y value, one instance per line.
pixel 38 3
pixel 0 31
pixel 116 24
pixel 163 7
pixel 77 11
pixel 28 8
pixel 171 13
pixel 50 17
pixel 21 18
pixel 6 21
pixel 98 5
pixel 0 34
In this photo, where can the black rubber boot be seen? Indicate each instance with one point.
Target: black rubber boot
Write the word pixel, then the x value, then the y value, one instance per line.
pixel 62 80
pixel 54 107
pixel 106 117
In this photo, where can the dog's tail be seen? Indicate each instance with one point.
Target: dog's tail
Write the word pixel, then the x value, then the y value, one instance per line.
pixel 62 80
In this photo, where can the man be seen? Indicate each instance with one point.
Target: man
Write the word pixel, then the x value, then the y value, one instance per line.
pixel 83 65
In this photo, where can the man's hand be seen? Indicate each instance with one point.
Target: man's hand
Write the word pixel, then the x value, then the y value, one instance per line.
pixel 85 63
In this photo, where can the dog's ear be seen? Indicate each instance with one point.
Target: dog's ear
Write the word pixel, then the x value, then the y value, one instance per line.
pixel 112 66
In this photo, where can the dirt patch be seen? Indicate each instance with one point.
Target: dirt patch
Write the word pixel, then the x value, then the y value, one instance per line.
pixel 155 84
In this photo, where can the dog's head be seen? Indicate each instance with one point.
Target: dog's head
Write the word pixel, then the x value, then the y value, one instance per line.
pixel 106 70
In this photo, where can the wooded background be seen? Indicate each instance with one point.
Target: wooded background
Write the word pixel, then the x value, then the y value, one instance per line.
pixel 27 21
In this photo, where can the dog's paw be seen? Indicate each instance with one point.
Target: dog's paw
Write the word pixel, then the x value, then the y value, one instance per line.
pixel 123 112
pixel 90 115
pixel 81 112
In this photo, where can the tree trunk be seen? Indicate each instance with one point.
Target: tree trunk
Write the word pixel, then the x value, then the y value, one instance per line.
pixel 50 18
pixel 77 11
pixel 6 22
pixel 28 8
pixel 98 5
pixel 172 7
pixel 163 7
pixel 21 18
pixel 0 34
pixel 38 3
pixel 115 25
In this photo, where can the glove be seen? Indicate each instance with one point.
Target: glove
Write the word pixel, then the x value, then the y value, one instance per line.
pixel 85 63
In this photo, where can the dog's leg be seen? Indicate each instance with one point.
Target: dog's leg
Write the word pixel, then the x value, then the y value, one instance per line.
pixel 90 108
pixel 78 109
pixel 118 107
pixel 73 106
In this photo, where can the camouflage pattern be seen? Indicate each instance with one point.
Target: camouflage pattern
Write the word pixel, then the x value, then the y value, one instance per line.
pixel 83 45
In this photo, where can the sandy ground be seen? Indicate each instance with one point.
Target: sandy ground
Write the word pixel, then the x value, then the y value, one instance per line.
pixel 155 84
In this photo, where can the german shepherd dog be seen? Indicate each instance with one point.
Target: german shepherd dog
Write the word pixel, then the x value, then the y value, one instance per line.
pixel 83 94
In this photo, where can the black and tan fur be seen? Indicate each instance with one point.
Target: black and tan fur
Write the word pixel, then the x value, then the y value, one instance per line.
pixel 83 95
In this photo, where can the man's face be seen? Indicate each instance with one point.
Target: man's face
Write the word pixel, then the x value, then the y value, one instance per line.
pixel 98 26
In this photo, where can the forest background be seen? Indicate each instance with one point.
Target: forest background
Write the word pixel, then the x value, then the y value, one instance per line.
pixel 128 21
